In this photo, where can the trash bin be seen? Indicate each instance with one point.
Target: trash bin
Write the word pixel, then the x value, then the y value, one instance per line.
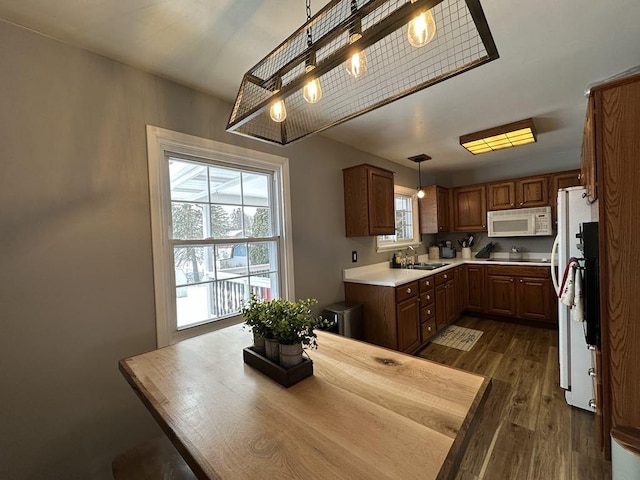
pixel 625 453
pixel 346 319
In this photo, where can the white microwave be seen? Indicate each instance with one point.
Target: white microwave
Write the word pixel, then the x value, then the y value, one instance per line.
pixel 520 222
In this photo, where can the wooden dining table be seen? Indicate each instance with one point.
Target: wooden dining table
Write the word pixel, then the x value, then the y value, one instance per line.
pixel 366 412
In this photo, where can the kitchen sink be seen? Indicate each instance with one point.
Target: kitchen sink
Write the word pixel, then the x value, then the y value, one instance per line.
pixel 429 266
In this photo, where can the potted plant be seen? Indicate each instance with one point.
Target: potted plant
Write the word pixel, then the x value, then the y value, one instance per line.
pixel 284 327
pixel 294 328
pixel 256 317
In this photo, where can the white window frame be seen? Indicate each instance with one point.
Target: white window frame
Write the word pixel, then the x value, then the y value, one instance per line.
pixel 161 144
pixel 384 245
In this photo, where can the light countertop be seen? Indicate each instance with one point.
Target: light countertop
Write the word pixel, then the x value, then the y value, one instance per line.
pixel 382 274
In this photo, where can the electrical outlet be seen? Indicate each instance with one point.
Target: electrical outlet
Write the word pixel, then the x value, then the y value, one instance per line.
pixel 354 256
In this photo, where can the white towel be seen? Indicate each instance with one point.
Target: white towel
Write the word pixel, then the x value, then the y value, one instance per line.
pixel 567 288
pixel 577 311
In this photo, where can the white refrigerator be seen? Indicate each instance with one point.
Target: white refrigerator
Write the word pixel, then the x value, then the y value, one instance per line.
pixel 575 357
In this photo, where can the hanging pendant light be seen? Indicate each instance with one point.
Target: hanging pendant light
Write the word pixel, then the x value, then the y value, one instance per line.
pixel 312 92
pixel 422 28
pixel 374 41
pixel 356 64
pixel 419 159
pixel 278 110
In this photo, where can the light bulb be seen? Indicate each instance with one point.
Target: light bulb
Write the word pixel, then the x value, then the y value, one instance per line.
pixel 278 111
pixel 420 193
pixel 312 92
pixel 356 65
pixel 421 29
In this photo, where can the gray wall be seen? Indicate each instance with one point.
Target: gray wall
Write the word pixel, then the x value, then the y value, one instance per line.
pixel 76 269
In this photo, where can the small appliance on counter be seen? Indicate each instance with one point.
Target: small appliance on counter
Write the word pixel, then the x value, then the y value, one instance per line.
pixel 447 252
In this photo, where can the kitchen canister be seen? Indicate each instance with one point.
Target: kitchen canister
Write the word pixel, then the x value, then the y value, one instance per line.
pixel 434 253
pixel 466 252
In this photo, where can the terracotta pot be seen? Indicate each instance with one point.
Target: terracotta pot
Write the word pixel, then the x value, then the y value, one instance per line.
pixel 290 355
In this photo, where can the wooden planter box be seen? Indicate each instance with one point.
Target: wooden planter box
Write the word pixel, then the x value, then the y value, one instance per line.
pixel 284 376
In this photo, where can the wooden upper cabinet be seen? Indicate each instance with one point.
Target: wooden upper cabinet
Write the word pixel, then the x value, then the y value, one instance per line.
pixel 501 195
pixel 532 192
pixel 557 181
pixel 469 208
pixel 368 201
pixel 588 157
pixel 434 210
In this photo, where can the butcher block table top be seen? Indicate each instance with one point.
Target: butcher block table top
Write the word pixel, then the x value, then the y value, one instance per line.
pixel 366 413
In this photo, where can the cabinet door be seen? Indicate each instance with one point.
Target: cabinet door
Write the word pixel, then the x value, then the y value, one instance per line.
pixel 381 209
pixel 408 324
pixel 501 295
pixel 557 181
pixel 450 289
pixel 475 287
pixel 532 192
pixel 469 209
pixel 535 299
pixel 434 210
pixel 588 157
pixel 501 196
pixel 462 289
pixel 441 305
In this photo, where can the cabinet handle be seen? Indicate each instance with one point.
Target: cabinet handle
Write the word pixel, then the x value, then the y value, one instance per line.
pixel 445 276
pixel 511 279
pixel 427 283
pixel 512 205
pixel 592 403
pixel 591 347
pixel 592 372
pixel 484 226
pixel 408 290
pixel 521 281
pixel 429 328
pixel 428 311
pixel 428 297
pixel 521 203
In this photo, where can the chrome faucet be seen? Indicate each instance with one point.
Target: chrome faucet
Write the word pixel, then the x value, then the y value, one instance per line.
pixel 411 258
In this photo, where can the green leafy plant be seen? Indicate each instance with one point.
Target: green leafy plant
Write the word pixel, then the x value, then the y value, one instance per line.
pixel 288 322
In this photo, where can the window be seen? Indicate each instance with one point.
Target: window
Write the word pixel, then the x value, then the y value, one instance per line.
pixel 220 231
pixel 407 231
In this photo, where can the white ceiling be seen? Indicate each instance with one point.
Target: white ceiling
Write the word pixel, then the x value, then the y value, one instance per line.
pixel 550 51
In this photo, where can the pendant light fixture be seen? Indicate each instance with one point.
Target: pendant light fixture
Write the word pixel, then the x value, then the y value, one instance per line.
pixel 421 29
pixel 312 92
pixel 419 159
pixel 356 64
pixel 278 110
pixel 375 42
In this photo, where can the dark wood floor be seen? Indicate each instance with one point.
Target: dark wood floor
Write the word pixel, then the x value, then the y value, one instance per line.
pixel 526 430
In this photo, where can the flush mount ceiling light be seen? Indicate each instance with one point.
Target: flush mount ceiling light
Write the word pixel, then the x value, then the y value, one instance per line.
pixel 354 56
pixel 497 138
pixel 419 159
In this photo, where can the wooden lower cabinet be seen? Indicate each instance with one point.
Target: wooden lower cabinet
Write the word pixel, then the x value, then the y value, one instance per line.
pixel 407 316
pixel 501 295
pixel 391 315
pixel 475 288
pixel 521 292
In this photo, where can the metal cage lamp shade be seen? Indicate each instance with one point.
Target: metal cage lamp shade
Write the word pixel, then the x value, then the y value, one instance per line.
pixel 364 54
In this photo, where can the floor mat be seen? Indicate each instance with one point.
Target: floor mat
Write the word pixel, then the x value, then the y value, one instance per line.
pixel 458 337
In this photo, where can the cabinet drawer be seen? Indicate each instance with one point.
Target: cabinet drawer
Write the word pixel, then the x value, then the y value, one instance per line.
pixel 427 312
pixel 427 298
pixel 427 284
pixel 444 277
pixel 406 291
pixel 513 270
pixel 427 330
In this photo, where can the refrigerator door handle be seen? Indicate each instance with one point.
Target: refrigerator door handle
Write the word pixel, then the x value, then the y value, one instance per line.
pixel 554 275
